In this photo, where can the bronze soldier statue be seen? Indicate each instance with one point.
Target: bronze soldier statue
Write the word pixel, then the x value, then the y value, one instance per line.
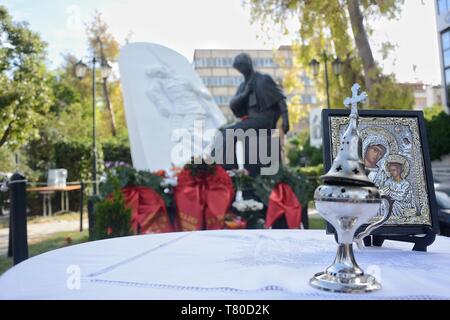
pixel 258 97
pixel 260 103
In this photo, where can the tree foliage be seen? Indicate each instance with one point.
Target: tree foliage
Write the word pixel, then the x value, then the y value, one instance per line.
pixel 46 116
pixel 105 47
pixel 332 26
pixel 57 131
pixel 25 94
pixel 70 117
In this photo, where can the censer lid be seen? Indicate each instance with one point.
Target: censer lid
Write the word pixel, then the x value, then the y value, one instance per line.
pixel 348 166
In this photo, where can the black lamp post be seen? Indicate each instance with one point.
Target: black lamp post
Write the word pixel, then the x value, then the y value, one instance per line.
pixel 80 72
pixel 337 69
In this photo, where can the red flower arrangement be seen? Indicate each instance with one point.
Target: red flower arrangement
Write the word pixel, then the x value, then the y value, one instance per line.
pixel 203 196
pixel 160 173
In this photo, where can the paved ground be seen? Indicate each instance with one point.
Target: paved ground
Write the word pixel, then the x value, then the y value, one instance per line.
pixel 40 231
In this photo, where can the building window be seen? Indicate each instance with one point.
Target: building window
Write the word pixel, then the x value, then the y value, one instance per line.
pixel 263 63
pixel 306 80
pixel 288 63
pixel 308 99
pixel 222 100
pixel 443 6
pixel 213 63
pixel 198 63
pixel 447 85
pixel 445 40
pixel 228 62
pixel 222 81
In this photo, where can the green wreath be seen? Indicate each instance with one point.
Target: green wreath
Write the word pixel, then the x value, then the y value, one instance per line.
pixel 121 177
pixel 300 184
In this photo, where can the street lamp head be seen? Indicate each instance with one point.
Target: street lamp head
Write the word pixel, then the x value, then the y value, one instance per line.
pixel 106 69
pixel 337 66
pixel 80 69
pixel 314 64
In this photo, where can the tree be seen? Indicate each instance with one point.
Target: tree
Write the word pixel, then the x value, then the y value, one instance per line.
pixel 25 94
pixel 72 110
pixel 340 26
pixel 104 46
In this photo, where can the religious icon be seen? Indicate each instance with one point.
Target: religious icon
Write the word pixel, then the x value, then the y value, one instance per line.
pixel 396 158
pixel 383 140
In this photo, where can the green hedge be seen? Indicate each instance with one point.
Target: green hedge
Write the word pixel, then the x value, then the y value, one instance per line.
pixel 112 217
pixel 438 124
pixel 116 152
pixel 77 157
pixel 43 154
pixel 312 175
pixel 301 153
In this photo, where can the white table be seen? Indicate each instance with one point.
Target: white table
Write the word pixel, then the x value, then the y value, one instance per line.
pixel 268 264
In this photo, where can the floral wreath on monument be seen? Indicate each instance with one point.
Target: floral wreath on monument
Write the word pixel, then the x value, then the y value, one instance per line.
pixel 264 185
pixel 123 175
pixel 145 193
pixel 283 193
pixel 203 195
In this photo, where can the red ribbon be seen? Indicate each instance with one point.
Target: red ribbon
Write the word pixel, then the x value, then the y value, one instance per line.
pixel 283 200
pixel 148 210
pixel 202 202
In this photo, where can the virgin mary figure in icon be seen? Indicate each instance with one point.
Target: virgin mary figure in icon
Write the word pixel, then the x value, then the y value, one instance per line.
pixel 375 151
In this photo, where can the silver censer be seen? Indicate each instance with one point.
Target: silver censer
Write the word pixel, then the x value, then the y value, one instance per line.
pixel 347 200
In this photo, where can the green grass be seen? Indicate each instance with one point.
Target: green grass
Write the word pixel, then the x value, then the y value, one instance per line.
pixel 54 241
pixel 5 264
pixel 317 223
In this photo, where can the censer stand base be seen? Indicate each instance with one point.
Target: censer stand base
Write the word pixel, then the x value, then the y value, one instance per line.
pixel 358 284
pixel 344 275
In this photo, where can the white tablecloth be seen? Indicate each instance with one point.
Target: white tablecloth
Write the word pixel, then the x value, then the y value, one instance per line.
pixel 270 264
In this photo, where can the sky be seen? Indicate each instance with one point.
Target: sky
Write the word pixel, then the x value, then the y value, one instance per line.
pixel 218 24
